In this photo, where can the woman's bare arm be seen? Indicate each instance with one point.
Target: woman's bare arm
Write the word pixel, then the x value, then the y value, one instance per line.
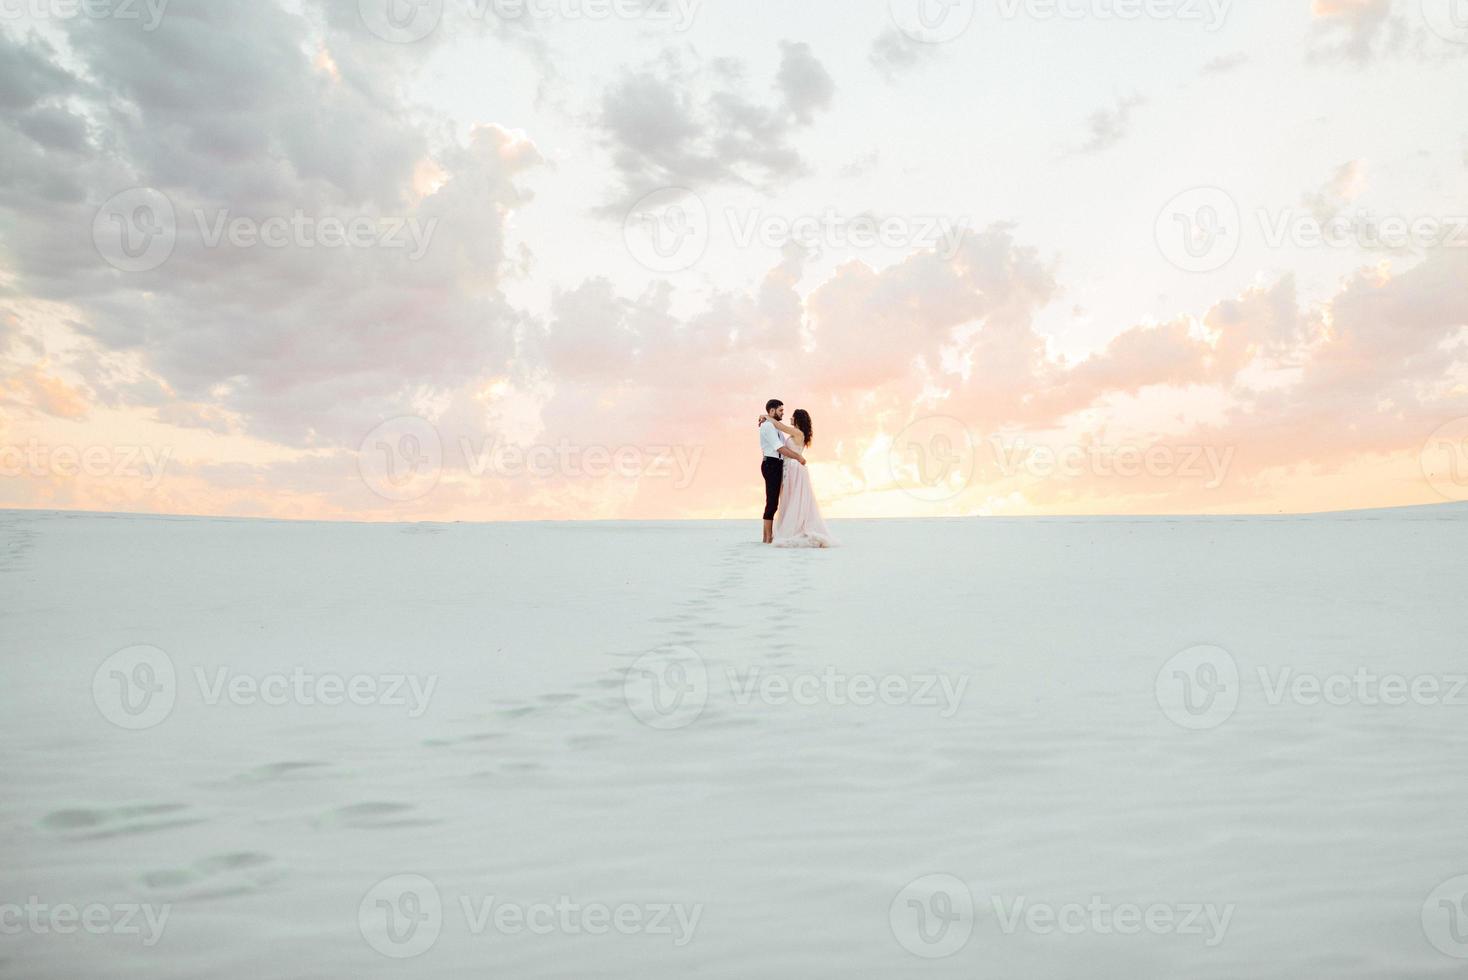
pixel 787 429
pixel 789 453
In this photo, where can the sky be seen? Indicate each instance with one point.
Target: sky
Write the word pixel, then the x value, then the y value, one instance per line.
pixel 547 259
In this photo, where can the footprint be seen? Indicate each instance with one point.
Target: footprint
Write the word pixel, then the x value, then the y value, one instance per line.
pixel 277 770
pixel 581 743
pixel 221 863
pixel 242 872
pixel 464 739
pixel 97 824
pixel 374 814
pixel 509 771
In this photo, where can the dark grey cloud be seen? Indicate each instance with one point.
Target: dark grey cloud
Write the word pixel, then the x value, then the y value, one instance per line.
pixel 804 82
pixel 1108 127
pixel 683 121
pixel 29 73
pixel 893 53
pixel 1226 63
pixel 222 111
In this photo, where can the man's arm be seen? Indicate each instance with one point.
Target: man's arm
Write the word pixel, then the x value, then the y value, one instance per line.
pixel 789 453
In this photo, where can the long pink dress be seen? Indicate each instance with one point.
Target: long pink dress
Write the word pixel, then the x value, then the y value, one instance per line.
pixel 798 522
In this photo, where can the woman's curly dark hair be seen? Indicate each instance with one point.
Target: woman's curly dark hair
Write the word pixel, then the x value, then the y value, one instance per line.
pixel 801 420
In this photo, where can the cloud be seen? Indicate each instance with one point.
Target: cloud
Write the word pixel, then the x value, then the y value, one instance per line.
pixel 804 82
pixel 34 388
pixel 1225 63
pixel 29 73
pixel 271 364
pixel 301 342
pixel 1374 373
pixel 188 415
pixel 869 351
pixel 1356 30
pixel 681 121
pixel 42 133
pixel 1344 187
pixel 1108 127
pixel 1263 323
pixel 893 53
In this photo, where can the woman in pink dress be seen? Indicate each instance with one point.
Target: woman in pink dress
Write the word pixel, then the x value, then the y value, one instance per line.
pixel 798 522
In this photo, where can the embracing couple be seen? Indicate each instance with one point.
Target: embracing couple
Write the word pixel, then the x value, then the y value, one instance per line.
pixel 792 517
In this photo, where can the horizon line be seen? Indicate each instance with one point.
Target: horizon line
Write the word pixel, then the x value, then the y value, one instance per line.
pixel 55 511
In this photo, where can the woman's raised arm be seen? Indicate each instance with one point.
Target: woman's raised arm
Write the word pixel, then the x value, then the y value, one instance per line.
pixel 787 429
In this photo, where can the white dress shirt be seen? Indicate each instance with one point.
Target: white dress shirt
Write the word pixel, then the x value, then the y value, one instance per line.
pixel 770 439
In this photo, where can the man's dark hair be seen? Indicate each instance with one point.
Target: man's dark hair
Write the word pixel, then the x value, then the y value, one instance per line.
pixel 773 404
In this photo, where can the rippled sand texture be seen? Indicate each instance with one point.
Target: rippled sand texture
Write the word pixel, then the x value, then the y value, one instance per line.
pixel 281 838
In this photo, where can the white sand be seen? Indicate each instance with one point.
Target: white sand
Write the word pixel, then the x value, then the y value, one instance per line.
pixel 790 830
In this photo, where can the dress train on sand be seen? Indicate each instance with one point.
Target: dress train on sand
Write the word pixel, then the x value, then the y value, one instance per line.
pixel 798 522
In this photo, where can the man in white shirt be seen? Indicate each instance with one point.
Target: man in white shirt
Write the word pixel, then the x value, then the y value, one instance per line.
pixel 772 466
